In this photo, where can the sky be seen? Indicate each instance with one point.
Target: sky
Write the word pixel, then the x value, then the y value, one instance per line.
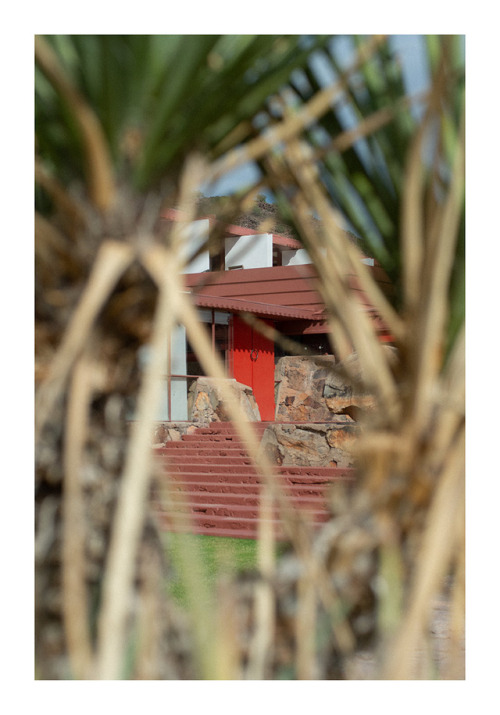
pixel 416 75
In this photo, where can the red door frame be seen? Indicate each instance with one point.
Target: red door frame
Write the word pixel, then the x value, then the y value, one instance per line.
pixel 252 363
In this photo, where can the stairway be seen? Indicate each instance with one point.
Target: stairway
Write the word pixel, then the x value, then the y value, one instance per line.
pixel 212 482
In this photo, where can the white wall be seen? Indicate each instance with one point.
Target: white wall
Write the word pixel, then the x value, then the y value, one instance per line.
pixel 197 234
pixel 295 258
pixel 250 251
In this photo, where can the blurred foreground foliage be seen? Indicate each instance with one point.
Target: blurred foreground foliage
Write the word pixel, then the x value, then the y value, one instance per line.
pixel 128 124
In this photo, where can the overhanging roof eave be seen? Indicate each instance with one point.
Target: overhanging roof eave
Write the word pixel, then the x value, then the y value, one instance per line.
pixel 236 305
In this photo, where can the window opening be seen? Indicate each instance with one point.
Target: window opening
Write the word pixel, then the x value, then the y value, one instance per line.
pixel 217 325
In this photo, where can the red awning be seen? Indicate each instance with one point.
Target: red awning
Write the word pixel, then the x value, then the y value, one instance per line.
pixel 238 305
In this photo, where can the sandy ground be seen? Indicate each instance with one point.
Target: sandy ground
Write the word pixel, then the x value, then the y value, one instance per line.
pixel 442 666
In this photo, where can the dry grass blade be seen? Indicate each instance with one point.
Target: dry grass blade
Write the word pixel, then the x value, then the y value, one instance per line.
pixel 381 305
pixel 227 661
pixel 332 272
pixel 306 629
pixel 435 283
pixel 110 263
pixel 129 517
pixel 158 266
pixel 368 125
pixel 438 544
pixel 455 669
pixel 99 167
pixel 298 531
pixel 412 236
pixel 74 595
pixel 450 395
pixel 296 527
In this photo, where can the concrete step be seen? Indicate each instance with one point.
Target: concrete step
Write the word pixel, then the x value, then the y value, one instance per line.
pixel 204 487
pixel 248 511
pixel 202 450
pixel 229 478
pixel 209 456
pixel 304 474
pixel 224 427
pixel 233 498
pixel 212 462
pixel 215 468
pixel 219 525
pixel 215 488
pixel 179 456
pixel 235 530
pixel 215 437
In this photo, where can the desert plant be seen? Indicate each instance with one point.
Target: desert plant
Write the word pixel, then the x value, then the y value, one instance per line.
pixel 117 117
pixel 110 154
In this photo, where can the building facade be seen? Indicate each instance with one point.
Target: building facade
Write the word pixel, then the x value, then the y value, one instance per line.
pixel 251 275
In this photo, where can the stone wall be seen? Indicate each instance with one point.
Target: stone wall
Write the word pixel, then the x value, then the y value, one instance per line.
pixel 173 431
pixel 315 389
pixel 205 400
pixel 317 410
pixel 310 444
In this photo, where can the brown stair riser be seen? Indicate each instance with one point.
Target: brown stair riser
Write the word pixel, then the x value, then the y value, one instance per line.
pixel 314 501
pixel 205 446
pixel 206 441
pixel 224 428
pixel 243 468
pixel 247 470
pixel 232 478
pixel 218 474
pixel 236 529
pixel 208 448
pixel 198 444
pixel 215 486
pixel 246 466
pixel 229 520
pixel 187 461
pixel 249 489
pixel 184 457
pixel 248 531
pixel 237 511
pixel 230 427
pixel 215 468
pixel 209 438
pixel 209 458
pixel 208 451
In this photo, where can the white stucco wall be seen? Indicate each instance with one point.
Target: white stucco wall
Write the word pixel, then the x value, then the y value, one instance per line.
pixel 197 234
pixel 249 251
pixel 295 257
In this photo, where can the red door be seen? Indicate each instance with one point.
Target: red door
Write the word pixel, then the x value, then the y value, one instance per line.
pixel 253 365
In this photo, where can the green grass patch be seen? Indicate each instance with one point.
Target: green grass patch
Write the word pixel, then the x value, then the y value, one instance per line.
pixel 197 562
